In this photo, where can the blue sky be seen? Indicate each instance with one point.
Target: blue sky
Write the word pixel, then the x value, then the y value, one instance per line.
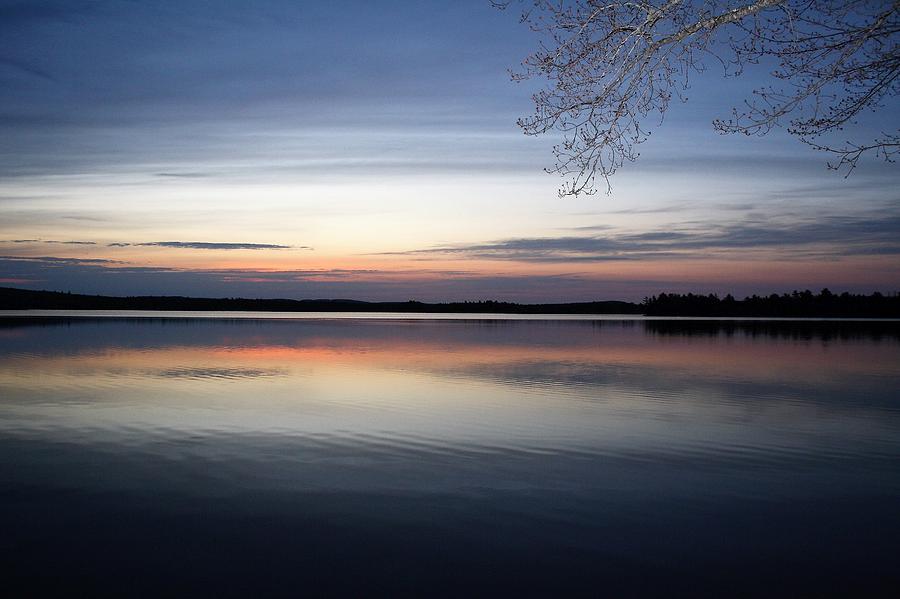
pixel 369 150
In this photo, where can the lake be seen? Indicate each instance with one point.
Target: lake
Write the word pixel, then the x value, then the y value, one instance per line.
pixel 459 456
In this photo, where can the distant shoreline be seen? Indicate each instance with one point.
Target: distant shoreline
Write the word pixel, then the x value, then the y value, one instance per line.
pixel 795 305
pixel 24 299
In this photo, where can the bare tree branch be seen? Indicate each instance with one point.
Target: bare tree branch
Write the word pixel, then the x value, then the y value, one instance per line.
pixel 609 64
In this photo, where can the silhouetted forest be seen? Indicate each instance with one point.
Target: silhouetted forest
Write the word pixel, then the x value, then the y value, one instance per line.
pixel 23 299
pixel 796 304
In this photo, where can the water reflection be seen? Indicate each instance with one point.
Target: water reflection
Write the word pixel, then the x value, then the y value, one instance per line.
pixel 449 457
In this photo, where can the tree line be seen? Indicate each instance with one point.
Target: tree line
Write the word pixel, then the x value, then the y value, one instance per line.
pixel 798 304
pixel 825 304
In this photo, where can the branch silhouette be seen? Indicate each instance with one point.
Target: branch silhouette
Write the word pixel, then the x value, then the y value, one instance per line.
pixel 610 64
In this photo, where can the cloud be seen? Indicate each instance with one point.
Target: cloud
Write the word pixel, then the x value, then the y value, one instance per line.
pixel 192 175
pixel 208 245
pixel 629 211
pixel 825 236
pixel 190 93
pixel 112 268
pixel 49 241
pixel 55 260
pixel 93 277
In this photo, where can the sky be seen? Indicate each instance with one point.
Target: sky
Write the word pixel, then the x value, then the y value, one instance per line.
pixel 368 150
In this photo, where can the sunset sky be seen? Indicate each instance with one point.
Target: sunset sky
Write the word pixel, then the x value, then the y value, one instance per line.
pixel 369 150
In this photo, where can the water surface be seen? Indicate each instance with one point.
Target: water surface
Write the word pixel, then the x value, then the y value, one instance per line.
pixel 146 456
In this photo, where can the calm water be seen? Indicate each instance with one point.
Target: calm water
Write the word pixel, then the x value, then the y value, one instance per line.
pixel 449 457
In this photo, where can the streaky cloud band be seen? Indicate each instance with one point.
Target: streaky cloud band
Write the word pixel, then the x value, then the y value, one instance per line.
pixel 212 245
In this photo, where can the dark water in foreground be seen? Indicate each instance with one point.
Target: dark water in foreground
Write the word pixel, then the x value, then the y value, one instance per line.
pixel 612 458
